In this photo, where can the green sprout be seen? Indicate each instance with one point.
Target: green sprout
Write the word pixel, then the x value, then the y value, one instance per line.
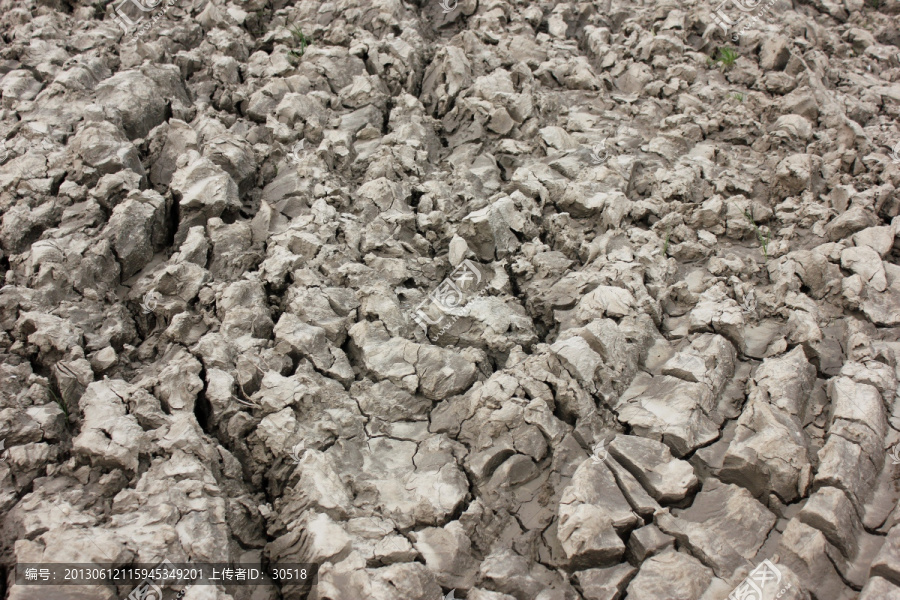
pixel 762 238
pixel 62 405
pixel 726 58
pixel 301 39
pixel 666 243
pixel 738 96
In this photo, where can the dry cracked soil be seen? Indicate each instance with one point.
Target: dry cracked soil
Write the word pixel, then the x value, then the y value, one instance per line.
pixel 475 299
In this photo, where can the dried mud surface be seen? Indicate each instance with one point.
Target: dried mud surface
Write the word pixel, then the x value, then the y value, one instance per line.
pixel 672 354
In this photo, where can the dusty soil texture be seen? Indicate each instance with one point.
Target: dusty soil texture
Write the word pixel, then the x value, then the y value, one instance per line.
pixel 482 299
